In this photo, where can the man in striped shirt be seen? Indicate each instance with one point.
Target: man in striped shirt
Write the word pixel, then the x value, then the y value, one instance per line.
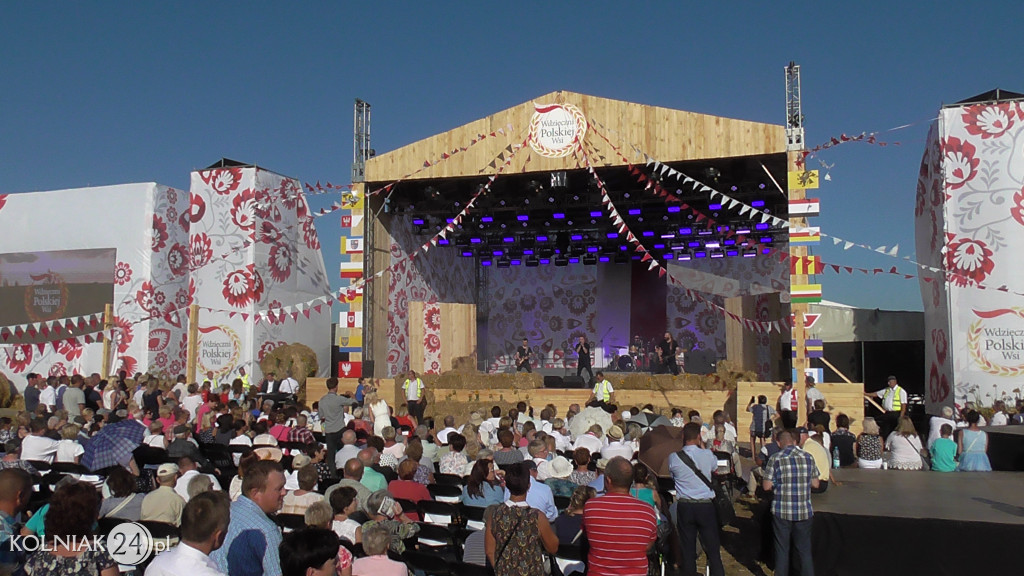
pixel 620 528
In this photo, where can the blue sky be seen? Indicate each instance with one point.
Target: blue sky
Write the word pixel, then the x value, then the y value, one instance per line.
pixel 113 92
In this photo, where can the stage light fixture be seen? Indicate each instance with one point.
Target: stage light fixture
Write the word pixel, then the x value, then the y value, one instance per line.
pixel 647 233
pixel 467 253
pixel 758 203
pixel 723 228
pixel 542 238
pixel 418 222
pixel 497 253
pixel 761 226
pixel 622 258
pixel 475 240
pixel 612 235
pixel 626 195
pixel 501 202
pixel 732 253
pixel 766 251
pixel 509 240
pixel 533 186
pixel 532 262
pixel 684 256
pixel 673 209
pixel 717 254
pixel 522 217
pixel 574 260
pixel 528 252
pixel 561 261
pixel 761 186
pixel 595 213
pixel 700 254
pixel 569 222
pixel 666 236
pixel 664 218
pixel 743 230
pixel 487 219
pixel 733 188
pixel 558 216
pixel 634 211
pixel 714 206
pixel 712 244
pixel 504 263
pixel 712 173
pixel 604 259
pixel 686 231
pixel 503 226
pixel 432 192
pixel 443 242
pixel 659 246
pixel 766 239
pixel 545 261
pixel 516 262
pixel 704 232
pixel 590 260
pixel 729 242
pixel 749 252
pixel 694 244
pixel 593 249
pixel 485 262
pixel 576 237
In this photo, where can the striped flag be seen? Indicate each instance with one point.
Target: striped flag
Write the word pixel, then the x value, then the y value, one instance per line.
pixel 812 348
pixel 351 269
pixel 805 293
pixel 354 320
pixel 806 265
pixel 805 207
pixel 805 235
pixel 352 245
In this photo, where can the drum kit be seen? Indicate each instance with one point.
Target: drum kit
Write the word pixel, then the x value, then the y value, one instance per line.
pixel 640 356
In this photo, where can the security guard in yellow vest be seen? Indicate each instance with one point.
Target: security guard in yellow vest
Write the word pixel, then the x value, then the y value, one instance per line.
pixel 894 402
pixel 414 396
pixel 244 378
pixel 603 394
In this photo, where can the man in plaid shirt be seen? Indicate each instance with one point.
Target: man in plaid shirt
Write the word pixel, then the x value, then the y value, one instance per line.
pixel 792 473
pixel 301 432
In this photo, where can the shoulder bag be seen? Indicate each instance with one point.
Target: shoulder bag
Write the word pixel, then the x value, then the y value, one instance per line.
pixel 723 503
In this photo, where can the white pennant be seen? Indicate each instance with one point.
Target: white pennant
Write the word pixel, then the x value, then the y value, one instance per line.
pixel 765 218
pixel 848 245
pixel 836 241
pixel 654 264
pixel 895 250
pixel 744 209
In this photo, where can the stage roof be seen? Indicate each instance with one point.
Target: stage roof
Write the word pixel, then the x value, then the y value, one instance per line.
pixel 663 133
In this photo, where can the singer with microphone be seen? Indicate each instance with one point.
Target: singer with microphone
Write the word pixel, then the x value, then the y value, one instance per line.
pixel 583 353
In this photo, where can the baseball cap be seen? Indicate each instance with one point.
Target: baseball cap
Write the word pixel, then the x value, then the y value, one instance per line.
pixel 167 469
pixel 801 430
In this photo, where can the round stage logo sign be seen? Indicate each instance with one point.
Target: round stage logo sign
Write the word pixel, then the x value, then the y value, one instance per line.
pixel 130 543
pixel 996 341
pixel 47 299
pixel 556 129
pixel 219 350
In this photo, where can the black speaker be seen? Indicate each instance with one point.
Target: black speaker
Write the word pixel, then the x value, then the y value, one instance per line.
pixel 553 382
pixel 699 362
pixel 368 369
pixel 574 382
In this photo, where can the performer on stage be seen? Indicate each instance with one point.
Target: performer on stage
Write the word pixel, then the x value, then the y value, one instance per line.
pixel 667 349
pixel 583 352
pixel 523 354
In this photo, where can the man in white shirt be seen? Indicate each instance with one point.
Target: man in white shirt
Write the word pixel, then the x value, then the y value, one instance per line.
pixel 289 386
pixel 449 427
pixel 539 495
pixel 204 523
pixel 935 424
pixel 999 416
pixel 187 470
pixel 191 401
pixel 561 435
pixel 616 447
pixel 240 439
pixel 811 393
pixel 592 440
pixel 181 389
pixel 48 396
pixel 35 446
pixel 348 449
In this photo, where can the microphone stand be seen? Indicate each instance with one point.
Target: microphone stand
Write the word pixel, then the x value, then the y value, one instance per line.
pixel 603 351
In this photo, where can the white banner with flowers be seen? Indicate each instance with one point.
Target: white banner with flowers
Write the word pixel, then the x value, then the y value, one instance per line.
pixel 970 220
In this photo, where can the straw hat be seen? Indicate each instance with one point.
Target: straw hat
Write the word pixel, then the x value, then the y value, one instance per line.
pixel 560 467
pixel 300 460
pixel 265 446
pixel 476 419
pixel 615 432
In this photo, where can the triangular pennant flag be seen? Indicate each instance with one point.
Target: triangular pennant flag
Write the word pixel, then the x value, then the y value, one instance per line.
pixel 654 264
pixel 661 272
pixel 646 257
pixel 848 245
pixel 836 241
pixel 895 250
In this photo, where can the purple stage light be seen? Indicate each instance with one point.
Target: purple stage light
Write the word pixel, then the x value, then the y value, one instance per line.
pixel 542 238
pixel 700 254
pixel 522 217
pixel 732 253
pixel 545 261
pixel 634 211
pixel 761 226
pixel 668 235
pixel 558 215
pixel 612 235
pixel 576 237
pixel 758 203
pixel 686 231
pixel 743 230
pixel 417 222
pixel 574 260
pixel 659 246
pixel 648 233
pixel 723 228
pixel 527 252
pixel 704 233
pixel 604 259
pixel 508 240
pixel 712 244
pixel 593 249
pixel 693 244
pixel 449 220
pixel 487 219
pixel 729 242
pixel 485 262
pixel 673 208
pixel 516 262
pixel 595 213
pixel 761 186
pixel 467 253
pixel 766 251
pixel 442 242
pixel 766 239
pixel 475 240
pixel 623 248
pixel 714 206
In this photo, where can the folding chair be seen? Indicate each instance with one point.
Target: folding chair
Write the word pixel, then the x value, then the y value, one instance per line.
pixel 426 562
pixel 474 516
pixel 435 512
pixel 445 493
pixel 447 479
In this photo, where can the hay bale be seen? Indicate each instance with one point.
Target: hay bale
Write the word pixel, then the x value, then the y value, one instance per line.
pixel 296 359
pixel 9 396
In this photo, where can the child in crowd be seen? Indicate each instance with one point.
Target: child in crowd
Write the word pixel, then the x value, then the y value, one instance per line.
pixel 761 421
pixel 943 451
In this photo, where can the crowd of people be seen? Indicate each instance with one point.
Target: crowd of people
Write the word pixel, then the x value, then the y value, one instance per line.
pixel 253 482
